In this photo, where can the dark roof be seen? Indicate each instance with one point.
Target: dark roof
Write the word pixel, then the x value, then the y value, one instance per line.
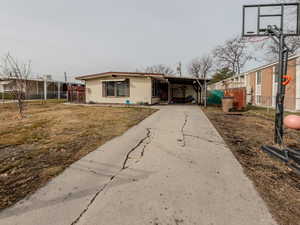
pixel 91 76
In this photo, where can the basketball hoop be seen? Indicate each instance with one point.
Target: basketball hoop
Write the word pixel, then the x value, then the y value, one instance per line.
pixel 261 22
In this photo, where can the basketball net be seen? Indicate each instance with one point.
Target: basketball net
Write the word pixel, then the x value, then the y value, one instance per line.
pixel 255 39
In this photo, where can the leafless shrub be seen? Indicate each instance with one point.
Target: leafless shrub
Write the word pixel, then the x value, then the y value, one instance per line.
pixel 18 74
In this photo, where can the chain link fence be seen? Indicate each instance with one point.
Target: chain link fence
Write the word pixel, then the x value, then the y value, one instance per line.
pixel 269 102
pixel 9 96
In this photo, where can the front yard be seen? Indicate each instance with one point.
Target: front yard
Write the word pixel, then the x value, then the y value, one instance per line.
pixel 50 138
pixel 278 185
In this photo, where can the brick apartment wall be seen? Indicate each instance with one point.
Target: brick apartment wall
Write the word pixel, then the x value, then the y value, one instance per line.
pixel 267 86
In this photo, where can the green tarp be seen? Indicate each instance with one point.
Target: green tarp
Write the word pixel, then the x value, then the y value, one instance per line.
pixel 215 97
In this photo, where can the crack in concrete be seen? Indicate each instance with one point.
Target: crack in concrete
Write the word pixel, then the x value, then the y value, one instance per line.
pixel 136 146
pixel 91 201
pixel 114 176
pixel 182 129
pixel 183 140
pixel 204 139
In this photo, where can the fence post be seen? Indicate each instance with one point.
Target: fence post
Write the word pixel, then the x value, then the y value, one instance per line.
pixel 58 90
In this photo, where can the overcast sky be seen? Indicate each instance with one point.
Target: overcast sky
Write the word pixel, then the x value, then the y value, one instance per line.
pixel 91 36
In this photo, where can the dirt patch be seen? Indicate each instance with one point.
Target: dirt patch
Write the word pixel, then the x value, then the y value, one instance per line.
pixel 278 185
pixel 50 138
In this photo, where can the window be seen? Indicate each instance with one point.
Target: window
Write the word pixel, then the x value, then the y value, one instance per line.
pixel 110 88
pixel 115 88
pixel 122 88
pixel 258 77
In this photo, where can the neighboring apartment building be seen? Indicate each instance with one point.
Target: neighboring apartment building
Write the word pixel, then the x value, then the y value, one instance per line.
pixel 261 85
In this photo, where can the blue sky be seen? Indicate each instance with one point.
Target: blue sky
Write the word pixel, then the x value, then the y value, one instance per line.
pixel 83 37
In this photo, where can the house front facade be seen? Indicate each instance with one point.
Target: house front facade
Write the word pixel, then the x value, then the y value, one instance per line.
pixel 140 88
pixel 261 85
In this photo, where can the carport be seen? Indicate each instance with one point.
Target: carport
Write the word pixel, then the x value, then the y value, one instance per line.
pixel 181 90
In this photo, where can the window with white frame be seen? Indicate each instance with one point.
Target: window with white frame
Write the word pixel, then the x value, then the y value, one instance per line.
pixel 258 77
pixel 115 88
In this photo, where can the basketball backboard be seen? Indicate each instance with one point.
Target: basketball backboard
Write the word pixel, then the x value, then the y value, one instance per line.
pixel 257 18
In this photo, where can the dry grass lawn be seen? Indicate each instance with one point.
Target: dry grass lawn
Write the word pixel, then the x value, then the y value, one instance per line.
pixel 50 138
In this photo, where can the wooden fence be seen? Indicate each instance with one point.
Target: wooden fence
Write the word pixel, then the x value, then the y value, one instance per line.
pixel 76 94
pixel 239 95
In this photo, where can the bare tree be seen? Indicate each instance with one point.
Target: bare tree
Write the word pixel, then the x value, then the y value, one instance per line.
pixel 199 68
pixel 271 48
pixel 233 54
pixel 18 75
pixel 194 67
pixel 206 66
pixel 160 68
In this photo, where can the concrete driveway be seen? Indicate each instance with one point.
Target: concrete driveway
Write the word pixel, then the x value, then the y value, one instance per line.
pixel 173 168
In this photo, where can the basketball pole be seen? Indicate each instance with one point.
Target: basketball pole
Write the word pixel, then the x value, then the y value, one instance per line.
pixel 277 35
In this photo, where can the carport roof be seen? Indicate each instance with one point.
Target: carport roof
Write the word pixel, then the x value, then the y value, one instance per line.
pixel 184 80
pixel 133 74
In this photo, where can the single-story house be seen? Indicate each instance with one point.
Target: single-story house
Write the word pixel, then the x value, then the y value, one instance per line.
pixel 141 88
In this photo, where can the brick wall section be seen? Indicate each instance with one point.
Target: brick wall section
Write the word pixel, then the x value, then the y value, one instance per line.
pixel 267 86
pixel 290 96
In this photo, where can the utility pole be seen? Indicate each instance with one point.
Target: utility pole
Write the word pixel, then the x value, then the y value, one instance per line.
pixel 179 69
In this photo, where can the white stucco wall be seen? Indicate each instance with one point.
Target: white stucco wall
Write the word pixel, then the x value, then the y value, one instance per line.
pixel 140 91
